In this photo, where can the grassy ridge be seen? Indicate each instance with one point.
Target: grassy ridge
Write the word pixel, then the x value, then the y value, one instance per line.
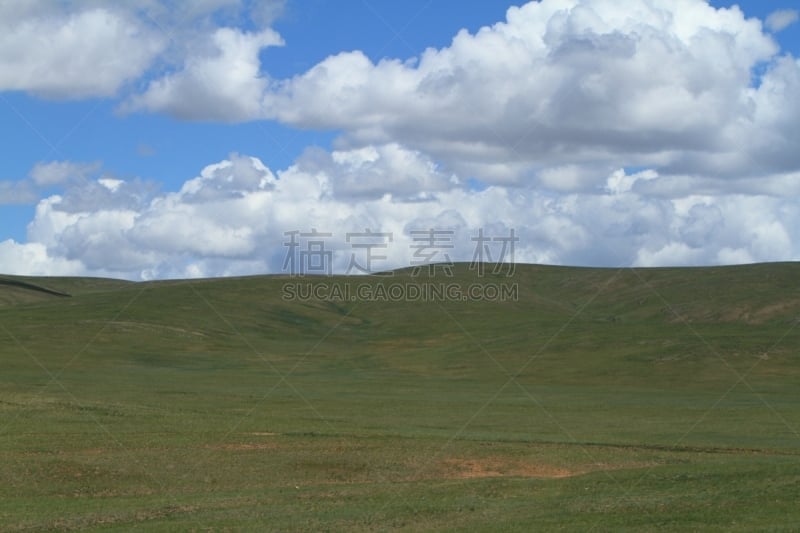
pixel 598 398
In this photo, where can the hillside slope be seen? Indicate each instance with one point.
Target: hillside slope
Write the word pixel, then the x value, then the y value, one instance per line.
pixel 618 399
pixel 580 324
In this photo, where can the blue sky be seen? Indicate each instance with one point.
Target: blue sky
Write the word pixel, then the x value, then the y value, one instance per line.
pixel 522 138
pixel 166 150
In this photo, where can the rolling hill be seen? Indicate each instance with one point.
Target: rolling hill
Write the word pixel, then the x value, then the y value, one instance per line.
pixel 554 398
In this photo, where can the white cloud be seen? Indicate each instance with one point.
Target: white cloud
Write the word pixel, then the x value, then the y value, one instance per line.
pixel 17 193
pixel 233 217
pixel 221 81
pixel 373 171
pixel 559 94
pixel 560 87
pixel 180 15
pixel 232 178
pixel 42 176
pixel 620 182
pixel 60 172
pixel 568 178
pixel 602 133
pixel 83 53
pixel 782 19
pixel 33 259
pixel 95 48
pixel 673 253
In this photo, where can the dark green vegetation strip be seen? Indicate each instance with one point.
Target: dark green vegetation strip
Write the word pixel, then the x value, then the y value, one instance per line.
pixel 596 400
pixel 31 287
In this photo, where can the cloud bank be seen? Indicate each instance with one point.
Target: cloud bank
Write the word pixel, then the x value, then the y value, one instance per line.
pixel 234 217
pixel 660 132
pixel 557 95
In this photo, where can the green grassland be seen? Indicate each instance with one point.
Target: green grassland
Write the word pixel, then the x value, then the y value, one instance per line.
pixel 596 400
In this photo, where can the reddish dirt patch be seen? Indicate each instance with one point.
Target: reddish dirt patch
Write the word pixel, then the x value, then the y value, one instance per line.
pixel 768 312
pixel 458 468
pixel 233 447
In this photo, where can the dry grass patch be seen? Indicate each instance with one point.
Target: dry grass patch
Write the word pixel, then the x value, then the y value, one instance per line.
pixel 462 468
pixel 244 446
pixel 493 466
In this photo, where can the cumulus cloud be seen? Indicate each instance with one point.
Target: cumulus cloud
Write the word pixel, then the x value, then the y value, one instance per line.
pixel 72 54
pixel 238 217
pixel 559 95
pixel 233 178
pixel 33 259
pixel 42 176
pixel 375 171
pixel 661 132
pixel 94 48
pixel 564 91
pixel 219 81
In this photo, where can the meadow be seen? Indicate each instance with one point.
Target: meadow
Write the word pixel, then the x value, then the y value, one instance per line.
pixel 590 399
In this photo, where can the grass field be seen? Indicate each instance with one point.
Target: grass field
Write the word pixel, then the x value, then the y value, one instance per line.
pixel 596 400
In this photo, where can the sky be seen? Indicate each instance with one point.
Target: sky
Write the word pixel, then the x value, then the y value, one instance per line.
pixel 148 140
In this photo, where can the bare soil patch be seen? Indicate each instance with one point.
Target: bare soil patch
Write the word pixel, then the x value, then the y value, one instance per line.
pixel 461 468
pixel 484 467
